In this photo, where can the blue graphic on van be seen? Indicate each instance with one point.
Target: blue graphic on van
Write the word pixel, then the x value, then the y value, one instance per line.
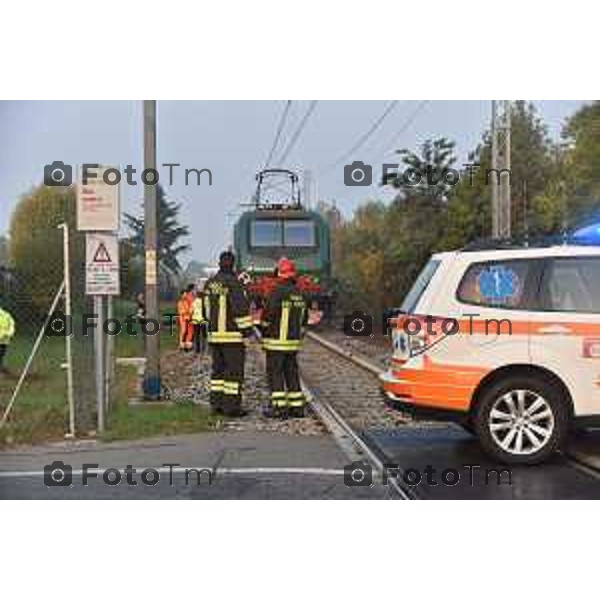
pixel 498 283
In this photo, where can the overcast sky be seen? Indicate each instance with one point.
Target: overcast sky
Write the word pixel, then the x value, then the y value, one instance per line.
pixel 232 139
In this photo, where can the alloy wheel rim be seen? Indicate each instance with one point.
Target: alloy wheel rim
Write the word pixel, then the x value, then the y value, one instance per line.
pixel 521 422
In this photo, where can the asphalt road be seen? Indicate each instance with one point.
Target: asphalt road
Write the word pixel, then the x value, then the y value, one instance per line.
pixel 243 466
pixel 450 448
pixel 268 466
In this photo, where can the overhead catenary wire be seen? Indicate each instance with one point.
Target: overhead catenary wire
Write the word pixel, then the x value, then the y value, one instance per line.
pixel 365 137
pixel 282 120
pixel 297 133
pixel 407 123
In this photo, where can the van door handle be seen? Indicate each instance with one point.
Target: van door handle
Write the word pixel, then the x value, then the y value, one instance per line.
pixel 554 330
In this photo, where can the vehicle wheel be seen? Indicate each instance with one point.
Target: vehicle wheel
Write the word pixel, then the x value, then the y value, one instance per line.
pixel 521 420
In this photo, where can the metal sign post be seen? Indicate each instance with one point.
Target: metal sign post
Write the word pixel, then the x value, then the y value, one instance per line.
pixel 99 361
pixel 68 347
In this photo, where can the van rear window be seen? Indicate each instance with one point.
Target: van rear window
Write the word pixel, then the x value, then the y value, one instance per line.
pixel 419 286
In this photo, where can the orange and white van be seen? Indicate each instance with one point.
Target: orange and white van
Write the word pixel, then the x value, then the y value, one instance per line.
pixel 507 341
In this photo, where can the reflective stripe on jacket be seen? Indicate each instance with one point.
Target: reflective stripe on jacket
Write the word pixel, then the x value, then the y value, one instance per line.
pixel 226 309
pixel 284 318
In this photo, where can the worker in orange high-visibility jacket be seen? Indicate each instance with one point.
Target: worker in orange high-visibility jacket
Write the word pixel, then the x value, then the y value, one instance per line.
pixel 227 311
pixel 184 320
pixel 283 322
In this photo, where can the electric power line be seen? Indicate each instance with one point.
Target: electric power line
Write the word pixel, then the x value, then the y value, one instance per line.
pixel 374 127
pixel 282 120
pixel 409 121
pixel 298 131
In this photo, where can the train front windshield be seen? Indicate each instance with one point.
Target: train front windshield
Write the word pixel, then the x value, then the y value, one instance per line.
pixel 296 233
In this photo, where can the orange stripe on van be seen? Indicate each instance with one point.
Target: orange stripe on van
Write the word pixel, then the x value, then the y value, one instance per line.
pixel 437 384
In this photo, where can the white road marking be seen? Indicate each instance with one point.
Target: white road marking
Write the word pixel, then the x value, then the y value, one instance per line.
pixel 218 471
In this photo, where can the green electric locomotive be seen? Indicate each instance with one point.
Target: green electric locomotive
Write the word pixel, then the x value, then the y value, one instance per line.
pixel 278 225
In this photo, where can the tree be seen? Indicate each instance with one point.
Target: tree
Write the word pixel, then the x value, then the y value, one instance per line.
pixel 581 157
pixel 36 249
pixel 532 166
pixel 169 235
pixel 428 174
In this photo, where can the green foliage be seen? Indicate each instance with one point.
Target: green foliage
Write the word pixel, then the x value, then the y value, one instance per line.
pixel 36 247
pixel 170 233
pixel 532 166
pixel 581 163
pixel 432 164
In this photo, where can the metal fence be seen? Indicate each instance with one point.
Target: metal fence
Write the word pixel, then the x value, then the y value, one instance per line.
pixel 34 389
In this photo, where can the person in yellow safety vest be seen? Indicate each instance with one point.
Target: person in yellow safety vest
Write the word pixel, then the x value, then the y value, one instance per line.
pixel 229 321
pixel 199 322
pixel 283 322
pixel 7 332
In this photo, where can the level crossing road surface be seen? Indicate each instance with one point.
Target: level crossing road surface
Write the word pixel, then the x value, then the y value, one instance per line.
pixel 251 465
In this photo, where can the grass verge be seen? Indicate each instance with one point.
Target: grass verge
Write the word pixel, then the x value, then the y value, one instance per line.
pixel 143 420
pixel 40 413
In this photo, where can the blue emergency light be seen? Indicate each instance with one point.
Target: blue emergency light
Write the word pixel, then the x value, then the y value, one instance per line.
pixel 590 234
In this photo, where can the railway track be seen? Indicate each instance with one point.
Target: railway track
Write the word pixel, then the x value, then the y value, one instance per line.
pixel 343 393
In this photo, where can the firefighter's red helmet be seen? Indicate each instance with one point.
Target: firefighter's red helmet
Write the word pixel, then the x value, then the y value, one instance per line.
pixel 286 268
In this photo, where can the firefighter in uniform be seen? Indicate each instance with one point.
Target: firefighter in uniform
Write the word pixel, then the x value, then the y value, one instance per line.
pixel 283 322
pixel 229 322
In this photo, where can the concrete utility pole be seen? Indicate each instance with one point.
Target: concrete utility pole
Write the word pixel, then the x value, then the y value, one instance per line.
pixel 501 197
pixel 152 342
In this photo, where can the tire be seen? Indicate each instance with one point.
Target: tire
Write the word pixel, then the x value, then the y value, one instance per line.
pixel 515 436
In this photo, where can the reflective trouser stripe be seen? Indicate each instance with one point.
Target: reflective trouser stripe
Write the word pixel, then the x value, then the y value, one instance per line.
pixel 231 388
pixel 278 399
pixel 296 399
pixel 216 385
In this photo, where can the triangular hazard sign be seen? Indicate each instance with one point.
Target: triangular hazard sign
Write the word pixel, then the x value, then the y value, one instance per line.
pixel 101 255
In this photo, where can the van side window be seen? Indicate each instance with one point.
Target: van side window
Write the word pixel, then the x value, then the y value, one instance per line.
pixel 499 284
pixel 572 285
